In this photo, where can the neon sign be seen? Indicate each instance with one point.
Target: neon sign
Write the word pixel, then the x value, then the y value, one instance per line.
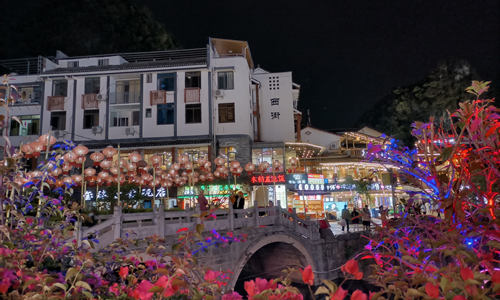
pixel 267 179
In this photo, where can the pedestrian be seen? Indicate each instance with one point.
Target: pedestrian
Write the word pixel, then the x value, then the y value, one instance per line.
pixel 383 215
pixel 346 217
pixel 366 217
pixel 238 200
pixel 202 201
pixel 355 216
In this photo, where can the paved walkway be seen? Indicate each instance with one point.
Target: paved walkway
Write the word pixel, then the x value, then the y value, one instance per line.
pixel 337 229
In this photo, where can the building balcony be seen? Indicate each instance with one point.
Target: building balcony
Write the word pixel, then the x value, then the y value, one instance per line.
pixel 90 101
pixel 161 97
pixel 192 95
pixel 55 103
pixel 125 98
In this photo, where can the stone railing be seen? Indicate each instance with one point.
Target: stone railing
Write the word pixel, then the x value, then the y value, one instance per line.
pixel 167 223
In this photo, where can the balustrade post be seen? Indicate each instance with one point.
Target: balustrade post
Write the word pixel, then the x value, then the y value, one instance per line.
pixel 117 222
pixel 230 217
pixel 161 220
pixel 197 211
pixel 256 213
pixel 295 220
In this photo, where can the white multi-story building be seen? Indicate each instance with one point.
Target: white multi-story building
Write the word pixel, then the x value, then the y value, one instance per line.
pixel 208 100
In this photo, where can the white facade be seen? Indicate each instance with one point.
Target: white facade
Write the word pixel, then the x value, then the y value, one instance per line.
pixel 330 141
pixel 109 99
pixel 276 106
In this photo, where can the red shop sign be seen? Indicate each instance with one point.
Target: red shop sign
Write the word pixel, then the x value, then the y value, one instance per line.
pixel 267 179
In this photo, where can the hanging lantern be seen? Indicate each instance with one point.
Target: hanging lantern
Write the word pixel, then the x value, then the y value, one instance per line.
pixel 109 151
pixel 89 172
pixel 134 157
pixel 27 149
pixel 155 160
pixel 68 180
pixel 37 148
pixel 47 139
pixel 106 164
pixel 81 150
pixel 249 168
pixel 96 157
pixel 188 166
pixel 67 167
pixel 69 157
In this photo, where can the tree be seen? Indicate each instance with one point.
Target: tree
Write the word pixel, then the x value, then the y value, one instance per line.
pixel 439 92
pixel 81 28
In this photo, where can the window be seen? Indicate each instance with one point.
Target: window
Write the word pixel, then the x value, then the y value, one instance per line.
pixel 148 112
pixel 166 82
pixel 60 88
pixel 193 113
pixel 30 125
pixel 127 91
pixel 103 62
pixel 193 80
pixel 269 155
pixel 125 117
pixel 230 152
pixel 226 113
pixel 58 120
pixel 73 64
pixel 28 94
pixel 92 85
pixel 90 118
pixel 165 114
pixel 225 80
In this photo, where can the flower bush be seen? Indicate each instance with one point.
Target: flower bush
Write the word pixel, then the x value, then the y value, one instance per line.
pixel 455 168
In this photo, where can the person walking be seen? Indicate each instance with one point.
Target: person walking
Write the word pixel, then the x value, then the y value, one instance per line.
pixel 383 215
pixel 346 217
pixel 366 218
pixel 202 201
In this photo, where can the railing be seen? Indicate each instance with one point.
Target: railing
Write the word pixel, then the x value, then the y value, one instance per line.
pixel 55 103
pixel 124 98
pixel 90 101
pixel 162 223
pixel 192 95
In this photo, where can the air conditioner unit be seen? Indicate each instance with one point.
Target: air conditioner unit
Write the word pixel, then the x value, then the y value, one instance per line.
pixel 97 130
pixel 100 97
pixel 129 131
pixel 59 133
pixel 219 93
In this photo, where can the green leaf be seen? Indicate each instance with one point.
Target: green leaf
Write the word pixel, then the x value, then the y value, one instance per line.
pixel 322 290
pixel 83 284
pixel 156 289
pixel 88 294
pixel 330 284
pixel 445 154
pixel 70 273
pixel 199 228
pixel 60 285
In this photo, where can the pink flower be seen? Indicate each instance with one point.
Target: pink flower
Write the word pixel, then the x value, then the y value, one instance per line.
pixel 123 272
pixel 459 297
pixel 358 295
pixel 115 289
pixel 308 275
pixel 339 294
pixel 4 286
pixel 210 276
pixel 142 291
pixel 466 273
pixel 232 296
pixel 432 290
pixel 250 288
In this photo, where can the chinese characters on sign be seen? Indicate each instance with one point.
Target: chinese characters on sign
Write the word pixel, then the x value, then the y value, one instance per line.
pixel 275 114
pixel 268 179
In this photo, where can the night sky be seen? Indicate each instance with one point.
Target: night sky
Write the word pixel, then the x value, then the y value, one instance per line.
pixel 348 54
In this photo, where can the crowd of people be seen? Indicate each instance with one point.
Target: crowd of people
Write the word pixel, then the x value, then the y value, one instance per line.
pixel 363 216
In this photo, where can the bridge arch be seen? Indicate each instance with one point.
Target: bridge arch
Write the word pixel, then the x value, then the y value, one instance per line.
pixel 268 240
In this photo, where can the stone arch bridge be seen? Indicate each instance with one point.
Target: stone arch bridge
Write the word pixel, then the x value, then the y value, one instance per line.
pixel 275 239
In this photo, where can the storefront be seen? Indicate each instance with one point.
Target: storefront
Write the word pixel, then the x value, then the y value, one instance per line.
pixel 268 187
pixel 216 194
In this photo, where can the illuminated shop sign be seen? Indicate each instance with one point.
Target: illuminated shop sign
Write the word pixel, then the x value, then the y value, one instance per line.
pixel 315 179
pixel 296 179
pixel 310 187
pixel 146 192
pixel 267 179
